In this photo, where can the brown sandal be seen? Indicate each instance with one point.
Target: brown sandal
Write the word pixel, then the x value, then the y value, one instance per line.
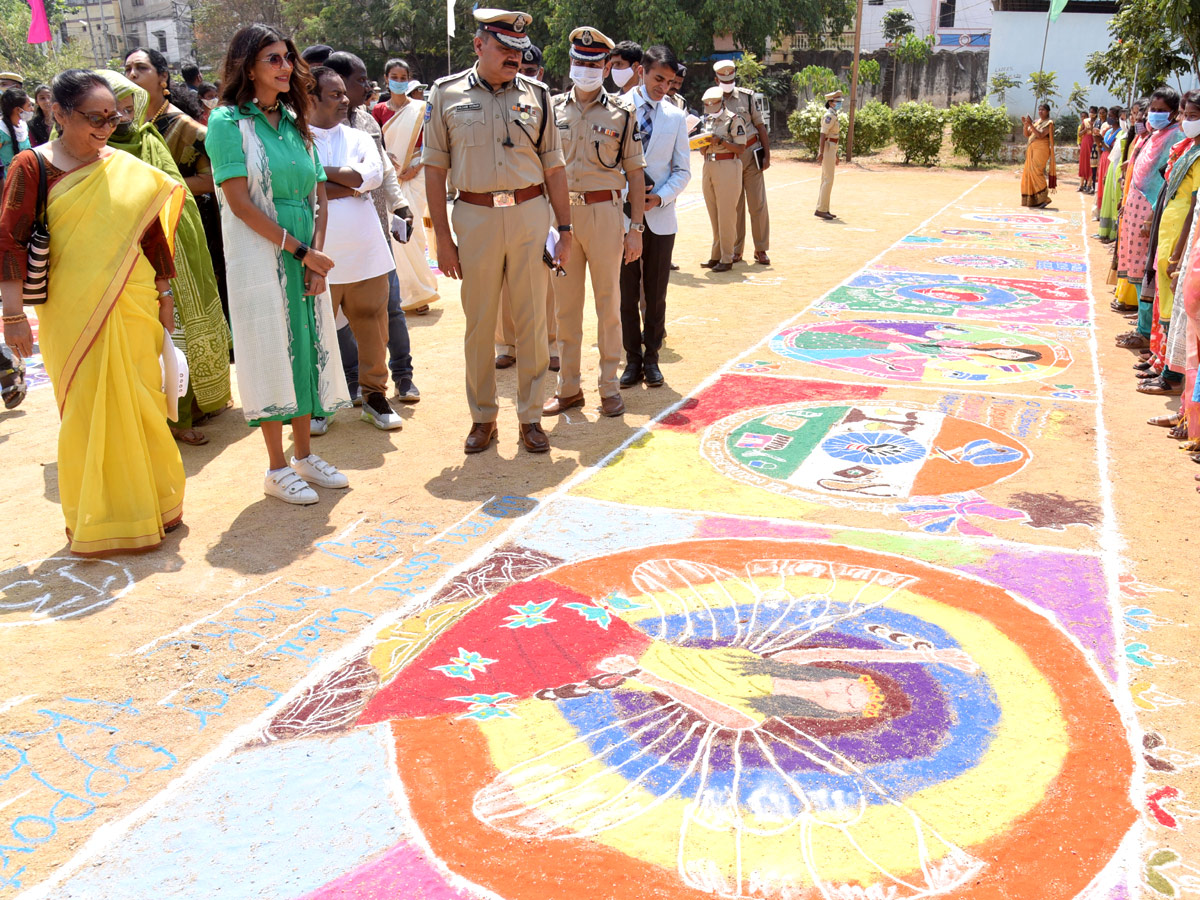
pixel 1131 340
pixel 192 437
pixel 1169 420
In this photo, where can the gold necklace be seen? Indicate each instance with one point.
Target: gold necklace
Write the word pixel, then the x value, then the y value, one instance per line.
pixel 273 108
pixel 166 102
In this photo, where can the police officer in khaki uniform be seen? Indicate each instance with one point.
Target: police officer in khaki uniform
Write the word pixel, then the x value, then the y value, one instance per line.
pixel 827 152
pixel 506 341
pixel 492 129
pixel 727 133
pixel 756 159
pixel 599 137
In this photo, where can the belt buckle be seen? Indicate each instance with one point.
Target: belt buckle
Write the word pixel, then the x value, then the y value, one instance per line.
pixel 578 198
pixel 504 198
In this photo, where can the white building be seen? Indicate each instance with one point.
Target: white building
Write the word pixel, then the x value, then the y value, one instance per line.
pixel 954 24
pixel 1018 30
pixel 162 25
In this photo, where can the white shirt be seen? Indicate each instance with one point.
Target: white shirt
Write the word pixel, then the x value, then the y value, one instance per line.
pixel 668 157
pixel 354 238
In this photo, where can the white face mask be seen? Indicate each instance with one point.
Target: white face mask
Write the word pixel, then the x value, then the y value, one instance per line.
pixel 26 115
pixel 622 77
pixel 727 87
pixel 211 102
pixel 588 79
pixel 1191 127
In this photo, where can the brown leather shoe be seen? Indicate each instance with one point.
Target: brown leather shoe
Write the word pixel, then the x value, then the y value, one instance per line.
pixel 827 216
pixel 481 437
pixel 760 257
pixel 556 405
pixel 737 258
pixel 611 406
pixel 709 264
pixel 504 361
pixel 722 267
pixel 534 438
pixel 554 366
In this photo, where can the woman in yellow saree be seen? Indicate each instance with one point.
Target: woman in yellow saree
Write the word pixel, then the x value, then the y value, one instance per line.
pixel 104 324
pixel 1035 184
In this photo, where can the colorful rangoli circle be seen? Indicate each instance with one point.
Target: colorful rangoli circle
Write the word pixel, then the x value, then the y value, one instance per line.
pixel 853 453
pixel 755 719
pixel 924 352
pixel 1030 219
pixel 969 261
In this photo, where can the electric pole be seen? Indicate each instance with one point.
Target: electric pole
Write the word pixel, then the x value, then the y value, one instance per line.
pixel 854 80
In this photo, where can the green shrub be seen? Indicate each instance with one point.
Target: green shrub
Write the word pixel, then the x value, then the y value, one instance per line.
pixel 1066 129
pixel 978 130
pixel 805 126
pixel 918 128
pixel 872 127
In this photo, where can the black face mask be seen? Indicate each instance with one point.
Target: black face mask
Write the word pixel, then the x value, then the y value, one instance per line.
pixel 123 131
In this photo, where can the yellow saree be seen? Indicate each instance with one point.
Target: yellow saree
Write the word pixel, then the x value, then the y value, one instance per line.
pixel 120 477
pixel 1035 186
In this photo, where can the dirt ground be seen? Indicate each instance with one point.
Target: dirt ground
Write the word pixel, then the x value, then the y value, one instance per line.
pixel 119 675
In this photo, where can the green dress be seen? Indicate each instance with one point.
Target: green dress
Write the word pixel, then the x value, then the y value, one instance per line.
pixel 295 171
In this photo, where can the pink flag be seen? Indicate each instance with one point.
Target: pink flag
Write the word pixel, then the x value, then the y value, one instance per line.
pixel 39 27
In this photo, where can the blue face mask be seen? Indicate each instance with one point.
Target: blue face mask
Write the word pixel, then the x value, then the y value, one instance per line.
pixel 1158 120
pixel 837 106
pixel 398 87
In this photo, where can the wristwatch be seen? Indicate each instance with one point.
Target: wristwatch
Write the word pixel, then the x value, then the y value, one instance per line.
pixel 300 252
pixel 637 226
pixel 564 229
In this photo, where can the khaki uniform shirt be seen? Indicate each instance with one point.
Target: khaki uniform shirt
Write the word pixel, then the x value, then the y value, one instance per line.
pixel 599 141
pixel 467 122
pixel 727 126
pixel 741 101
pixel 830 125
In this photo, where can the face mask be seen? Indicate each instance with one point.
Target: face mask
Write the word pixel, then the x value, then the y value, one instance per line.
pixel 398 88
pixel 727 87
pixel 622 77
pixel 1158 120
pixel 1191 127
pixel 122 131
pixel 1139 128
pixel 587 79
pixel 26 115
pixel 837 106
pixel 211 102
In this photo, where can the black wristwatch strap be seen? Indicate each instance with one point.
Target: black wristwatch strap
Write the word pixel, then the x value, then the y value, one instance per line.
pixel 564 229
pixel 301 251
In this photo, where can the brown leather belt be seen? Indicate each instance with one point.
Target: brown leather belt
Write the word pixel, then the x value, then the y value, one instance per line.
pixel 718 157
pixel 587 198
pixel 830 140
pixel 502 198
pixel 753 140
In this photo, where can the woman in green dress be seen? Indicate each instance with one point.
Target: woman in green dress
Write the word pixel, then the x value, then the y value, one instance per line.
pixel 202 332
pixel 273 210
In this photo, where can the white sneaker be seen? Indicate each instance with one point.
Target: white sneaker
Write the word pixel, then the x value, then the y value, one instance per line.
pixel 379 413
pixel 316 471
pixel 319 424
pixel 289 487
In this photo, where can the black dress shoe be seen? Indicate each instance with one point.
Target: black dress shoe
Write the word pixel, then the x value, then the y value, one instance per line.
pixel 654 375
pixel 632 376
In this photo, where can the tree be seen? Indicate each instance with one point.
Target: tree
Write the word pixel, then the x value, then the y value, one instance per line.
pixel 38 63
pixel 868 73
pixel 216 21
pixel 1003 82
pixel 1044 86
pixel 814 82
pixel 896 24
pixel 750 71
pixel 1146 50
pixel 1078 98
pixel 913 50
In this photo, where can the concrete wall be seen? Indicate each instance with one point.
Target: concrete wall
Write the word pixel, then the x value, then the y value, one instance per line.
pixel 944 79
pixel 1017 46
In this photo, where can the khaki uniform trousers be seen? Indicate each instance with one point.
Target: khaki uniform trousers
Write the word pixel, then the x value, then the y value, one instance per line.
pixel 754 197
pixel 599 230
pixel 722 188
pixel 498 245
pixel 828 168
pixel 506 341
pixel 365 305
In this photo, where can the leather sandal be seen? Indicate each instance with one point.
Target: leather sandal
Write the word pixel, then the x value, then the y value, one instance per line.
pixel 1131 340
pixel 1161 386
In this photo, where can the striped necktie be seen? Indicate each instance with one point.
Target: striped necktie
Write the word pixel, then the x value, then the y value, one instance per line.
pixel 646 122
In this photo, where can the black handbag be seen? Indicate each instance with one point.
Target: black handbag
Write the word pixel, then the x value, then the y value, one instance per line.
pixel 37 265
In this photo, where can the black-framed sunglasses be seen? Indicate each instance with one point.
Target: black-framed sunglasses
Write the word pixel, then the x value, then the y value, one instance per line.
pixel 98 121
pixel 275 60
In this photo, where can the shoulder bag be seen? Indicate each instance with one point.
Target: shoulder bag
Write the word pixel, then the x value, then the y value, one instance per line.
pixel 37 266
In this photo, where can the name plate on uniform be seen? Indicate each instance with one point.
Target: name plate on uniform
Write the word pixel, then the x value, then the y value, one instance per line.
pixel 465 107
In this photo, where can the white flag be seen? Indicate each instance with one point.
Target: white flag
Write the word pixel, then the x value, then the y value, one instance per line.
pixel 450 18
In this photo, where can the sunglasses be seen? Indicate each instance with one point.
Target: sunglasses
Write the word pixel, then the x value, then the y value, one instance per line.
pixel 275 60
pixel 98 121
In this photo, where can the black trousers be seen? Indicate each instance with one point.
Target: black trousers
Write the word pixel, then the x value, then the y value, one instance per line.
pixel 650 275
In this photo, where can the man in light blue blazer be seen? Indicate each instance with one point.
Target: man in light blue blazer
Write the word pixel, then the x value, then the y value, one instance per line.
pixel 662 128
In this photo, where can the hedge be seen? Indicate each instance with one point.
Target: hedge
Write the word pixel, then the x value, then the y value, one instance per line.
pixel 805 125
pixel 918 128
pixel 978 130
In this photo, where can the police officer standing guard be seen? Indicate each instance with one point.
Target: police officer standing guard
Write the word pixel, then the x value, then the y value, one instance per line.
pixel 827 152
pixel 492 129
pixel 756 158
pixel 600 141
pixel 727 133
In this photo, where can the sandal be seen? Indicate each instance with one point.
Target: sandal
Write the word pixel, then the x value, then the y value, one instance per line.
pixel 1118 306
pixel 1142 365
pixel 1149 373
pixel 1160 386
pixel 1131 340
pixel 14 387
pixel 1190 446
pixel 1169 420
pixel 192 437
pixel 1180 433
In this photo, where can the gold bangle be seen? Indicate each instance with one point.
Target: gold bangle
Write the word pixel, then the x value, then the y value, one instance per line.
pixel 14 320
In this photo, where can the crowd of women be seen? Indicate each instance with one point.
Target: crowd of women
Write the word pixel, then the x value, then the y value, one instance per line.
pixel 1146 206
pixel 187 225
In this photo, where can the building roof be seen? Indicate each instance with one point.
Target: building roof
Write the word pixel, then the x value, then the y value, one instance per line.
pixel 1043 6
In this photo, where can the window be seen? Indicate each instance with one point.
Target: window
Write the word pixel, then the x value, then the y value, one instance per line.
pixel 162 41
pixel 874 2
pixel 139 2
pixel 946 13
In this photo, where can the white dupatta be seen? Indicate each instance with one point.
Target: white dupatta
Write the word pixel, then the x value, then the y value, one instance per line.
pixel 418 285
pixel 258 307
